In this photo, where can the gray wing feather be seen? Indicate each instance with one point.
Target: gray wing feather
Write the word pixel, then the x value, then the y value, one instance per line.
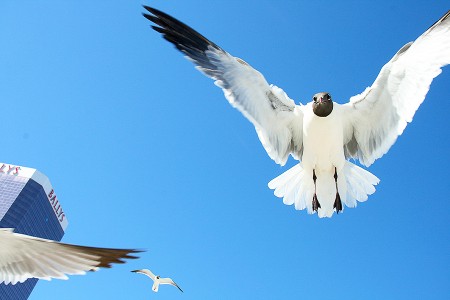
pixel 376 117
pixel 277 119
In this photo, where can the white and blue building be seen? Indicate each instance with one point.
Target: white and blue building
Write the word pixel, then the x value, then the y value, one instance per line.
pixel 29 204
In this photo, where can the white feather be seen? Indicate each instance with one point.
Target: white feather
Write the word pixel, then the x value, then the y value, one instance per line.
pixel 23 257
pixel 376 117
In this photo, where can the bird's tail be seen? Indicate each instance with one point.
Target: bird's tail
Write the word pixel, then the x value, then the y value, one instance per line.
pixel 296 187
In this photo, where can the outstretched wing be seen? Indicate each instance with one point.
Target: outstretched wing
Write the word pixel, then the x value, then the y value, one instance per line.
pixel 23 257
pixel 169 281
pixel 375 118
pixel 278 121
pixel 146 272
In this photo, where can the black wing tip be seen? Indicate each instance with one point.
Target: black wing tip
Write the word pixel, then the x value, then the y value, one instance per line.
pixel 107 262
pixel 147 16
pixel 179 31
pixel 177 286
pixel 137 250
pixel 149 8
pixel 130 254
pixel 158 29
pixel 152 18
pixel 441 19
pixel 158 14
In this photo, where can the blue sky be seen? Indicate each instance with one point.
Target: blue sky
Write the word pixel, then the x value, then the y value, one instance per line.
pixel 144 151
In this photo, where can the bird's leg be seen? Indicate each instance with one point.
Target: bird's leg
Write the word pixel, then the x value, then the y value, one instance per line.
pixel 337 202
pixel 315 201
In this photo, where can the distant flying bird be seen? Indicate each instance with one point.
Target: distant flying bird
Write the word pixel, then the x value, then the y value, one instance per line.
pixel 157 280
pixel 24 256
pixel 323 135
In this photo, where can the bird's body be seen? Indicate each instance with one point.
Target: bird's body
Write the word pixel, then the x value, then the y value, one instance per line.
pixel 157 280
pixel 322 134
pixel 324 156
pixel 320 154
pixel 23 257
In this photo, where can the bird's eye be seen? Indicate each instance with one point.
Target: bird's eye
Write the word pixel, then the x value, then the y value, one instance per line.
pixel 315 99
pixel 328 97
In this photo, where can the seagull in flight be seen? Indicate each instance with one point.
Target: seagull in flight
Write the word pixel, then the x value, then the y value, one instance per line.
pixel 322 134
pixel 157 280
pixel 24 256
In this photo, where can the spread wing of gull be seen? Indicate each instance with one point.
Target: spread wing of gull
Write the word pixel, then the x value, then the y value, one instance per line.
pixel 146 272
pixel 23 257
pixel 375 118
pixel 277 120
pixel 170 281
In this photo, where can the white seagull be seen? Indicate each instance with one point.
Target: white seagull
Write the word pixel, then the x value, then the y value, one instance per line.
pixel 322 135
pixel 157 280
pixel 23 257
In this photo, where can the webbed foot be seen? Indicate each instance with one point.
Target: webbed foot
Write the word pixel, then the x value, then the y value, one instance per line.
pixel 338 203
pixel 315 203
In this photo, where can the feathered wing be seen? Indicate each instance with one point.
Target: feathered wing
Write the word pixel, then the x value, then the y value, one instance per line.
pixel 146 272
pixel 375 118
pixel 278 121
pixel 23 257
pixel 169 281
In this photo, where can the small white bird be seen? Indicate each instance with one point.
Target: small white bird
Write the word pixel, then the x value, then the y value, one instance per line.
pixel 23 257
pixel 157 280
pixel 322 135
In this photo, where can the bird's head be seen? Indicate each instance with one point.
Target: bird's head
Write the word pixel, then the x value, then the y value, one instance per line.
pixel 322 104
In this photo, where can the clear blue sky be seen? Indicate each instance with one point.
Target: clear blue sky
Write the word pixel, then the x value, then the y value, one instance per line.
pixel 144 151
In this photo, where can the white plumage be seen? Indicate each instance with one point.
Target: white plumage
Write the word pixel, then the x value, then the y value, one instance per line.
pixel 323 141
pixel 157 280
pixel 23 257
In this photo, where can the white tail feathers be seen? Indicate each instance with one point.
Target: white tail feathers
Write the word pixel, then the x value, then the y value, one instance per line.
pixel 296 187
pixel 360 184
